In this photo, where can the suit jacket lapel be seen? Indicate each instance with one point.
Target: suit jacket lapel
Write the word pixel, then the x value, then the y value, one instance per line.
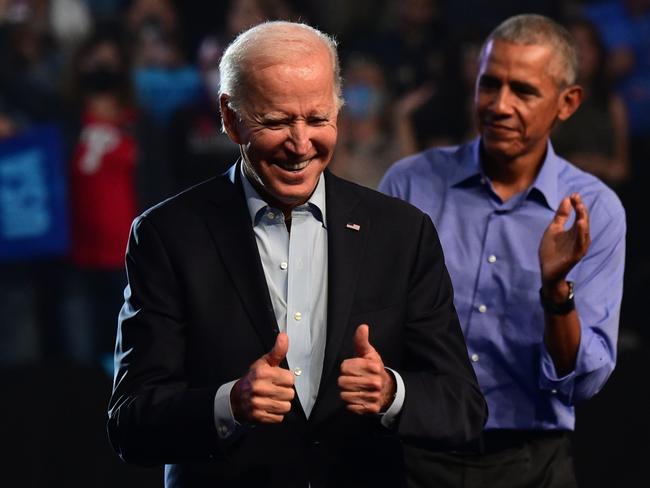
pixel 230 225
pixel 345 250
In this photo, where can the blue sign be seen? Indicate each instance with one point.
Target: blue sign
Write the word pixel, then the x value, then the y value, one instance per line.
pixel 33 195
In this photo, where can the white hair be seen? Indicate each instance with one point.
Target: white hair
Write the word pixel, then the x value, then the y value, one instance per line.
pixel 266 38
pixel 533 29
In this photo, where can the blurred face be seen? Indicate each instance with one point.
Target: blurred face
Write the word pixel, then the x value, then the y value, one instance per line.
pixel 518 99
pixel 364 92
pixel 288 126
pixel 416 12
pixel 103 71
pixel 104 54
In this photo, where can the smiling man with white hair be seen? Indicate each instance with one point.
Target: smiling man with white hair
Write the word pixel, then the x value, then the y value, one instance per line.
pixel 283 327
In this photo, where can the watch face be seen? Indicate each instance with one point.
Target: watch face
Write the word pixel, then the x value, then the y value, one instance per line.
pixel 571 292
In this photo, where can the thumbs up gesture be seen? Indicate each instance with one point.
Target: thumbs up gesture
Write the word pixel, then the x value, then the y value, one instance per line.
pixel 264 394
pixel 366 386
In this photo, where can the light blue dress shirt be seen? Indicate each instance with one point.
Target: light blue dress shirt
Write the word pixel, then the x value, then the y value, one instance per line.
pixel 296 275
pixel 491 251
pixel 296 271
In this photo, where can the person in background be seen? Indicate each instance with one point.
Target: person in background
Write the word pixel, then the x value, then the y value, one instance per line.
pixel 369 142
pixel 595 138
pixel 110 180
pixel 199 148
pixel 410 44
pixel 416 49
pixel 535 248
pixel 163 79
pixel 623 28
pixel 265 339
pixel 30 63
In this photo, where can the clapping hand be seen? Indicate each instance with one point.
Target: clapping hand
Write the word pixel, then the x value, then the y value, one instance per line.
pixel 560 249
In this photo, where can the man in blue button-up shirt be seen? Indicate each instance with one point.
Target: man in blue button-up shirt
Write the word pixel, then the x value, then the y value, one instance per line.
pixel 523 232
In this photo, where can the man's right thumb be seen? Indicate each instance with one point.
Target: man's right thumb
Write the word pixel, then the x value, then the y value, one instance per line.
pixel 279 351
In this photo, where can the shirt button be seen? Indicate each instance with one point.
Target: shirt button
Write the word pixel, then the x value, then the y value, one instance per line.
pixel 284 265
pixel 270 215
pixel 482 308
pixel 492 258
pixel 297 371
pixel 554 391
pixel 297 316
pixel 223 430
pixel 475 358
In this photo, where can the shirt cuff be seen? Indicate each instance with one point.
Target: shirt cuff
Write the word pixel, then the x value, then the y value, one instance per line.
pixel 389 416
pixel 561 386
pixel 224 419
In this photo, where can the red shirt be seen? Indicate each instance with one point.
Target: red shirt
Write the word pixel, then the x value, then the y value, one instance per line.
pixel 102 191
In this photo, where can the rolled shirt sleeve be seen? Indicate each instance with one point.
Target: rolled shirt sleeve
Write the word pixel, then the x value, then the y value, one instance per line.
pixel 599 286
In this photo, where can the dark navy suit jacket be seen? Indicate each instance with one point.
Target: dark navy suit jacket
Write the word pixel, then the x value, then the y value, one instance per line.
pixel 198 313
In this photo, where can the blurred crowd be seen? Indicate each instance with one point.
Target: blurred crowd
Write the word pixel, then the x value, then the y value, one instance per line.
pixel 109 106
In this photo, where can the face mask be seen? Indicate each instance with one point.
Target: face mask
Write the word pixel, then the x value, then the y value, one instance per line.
pixel 101 80
pixel 362 101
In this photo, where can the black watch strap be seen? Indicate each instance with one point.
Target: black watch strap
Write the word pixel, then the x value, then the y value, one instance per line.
pixel 558 308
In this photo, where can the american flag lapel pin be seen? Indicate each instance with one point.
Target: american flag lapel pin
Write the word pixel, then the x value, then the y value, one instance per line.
pixel 353 226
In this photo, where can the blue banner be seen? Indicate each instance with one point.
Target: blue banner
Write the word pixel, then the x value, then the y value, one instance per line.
pixel 33 195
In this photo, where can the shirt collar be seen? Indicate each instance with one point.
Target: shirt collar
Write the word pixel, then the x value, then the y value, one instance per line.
pixel 547 179
pixel 469 171
pixel 256 204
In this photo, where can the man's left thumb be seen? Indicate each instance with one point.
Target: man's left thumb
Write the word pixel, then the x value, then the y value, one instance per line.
pixel 362 345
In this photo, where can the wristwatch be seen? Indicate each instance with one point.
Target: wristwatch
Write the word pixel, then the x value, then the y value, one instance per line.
pixel 554 308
